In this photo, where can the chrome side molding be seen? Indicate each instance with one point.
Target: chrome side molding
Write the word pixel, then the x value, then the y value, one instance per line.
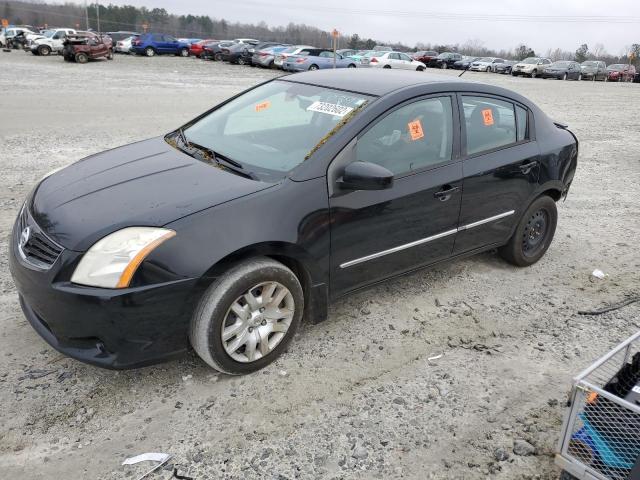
pixel 399 248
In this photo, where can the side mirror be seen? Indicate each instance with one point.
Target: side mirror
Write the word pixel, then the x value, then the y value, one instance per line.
pixel 365 176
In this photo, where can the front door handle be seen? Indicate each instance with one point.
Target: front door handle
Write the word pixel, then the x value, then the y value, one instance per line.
pixel 446 192
pixel 527 167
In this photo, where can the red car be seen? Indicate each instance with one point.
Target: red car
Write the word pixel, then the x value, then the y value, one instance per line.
pixel 425 56
pixel 196 48
pixel 620 72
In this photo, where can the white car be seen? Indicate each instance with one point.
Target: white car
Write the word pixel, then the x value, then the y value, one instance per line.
pixel 52 41
pixel 124 45
pixel 395 60
pixel 251 41
pixel 280 57
pixel 485 64
pixel 531 67
pixel 9 33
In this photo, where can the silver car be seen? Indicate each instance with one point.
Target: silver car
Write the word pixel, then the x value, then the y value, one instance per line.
pixel 265 58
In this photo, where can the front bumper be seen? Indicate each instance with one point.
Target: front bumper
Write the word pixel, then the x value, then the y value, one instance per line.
pixel 116 329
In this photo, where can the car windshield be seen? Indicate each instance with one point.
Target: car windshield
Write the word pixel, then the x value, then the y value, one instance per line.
pixel 561 64
pixel 374 54
pixel 273 128
pixel 444 55
pixel 589 64
pixel 486 59
pixel 49 33
pixel 617 66
pixel 531 60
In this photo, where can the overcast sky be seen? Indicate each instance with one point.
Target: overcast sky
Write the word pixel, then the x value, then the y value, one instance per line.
pixel 497 23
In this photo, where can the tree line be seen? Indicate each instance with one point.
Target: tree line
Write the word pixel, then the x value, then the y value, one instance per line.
pixel 138 19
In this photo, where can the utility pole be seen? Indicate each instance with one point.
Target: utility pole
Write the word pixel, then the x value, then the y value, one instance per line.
pixel 98 15
pixel 86 13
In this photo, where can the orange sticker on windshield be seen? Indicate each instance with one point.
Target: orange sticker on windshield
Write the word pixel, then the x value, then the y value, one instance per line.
pixel 263 106
pixel 487 116
pixel 415 130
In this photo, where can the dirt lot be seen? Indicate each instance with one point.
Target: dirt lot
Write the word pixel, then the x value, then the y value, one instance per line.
pixel 356 396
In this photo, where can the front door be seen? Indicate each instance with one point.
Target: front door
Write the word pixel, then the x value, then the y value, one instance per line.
pixel 501 170
pixel 377 234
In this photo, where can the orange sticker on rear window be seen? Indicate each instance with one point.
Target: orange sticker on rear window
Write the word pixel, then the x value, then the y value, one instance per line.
pixel 487 117
pixel 263 106
pixel 415 130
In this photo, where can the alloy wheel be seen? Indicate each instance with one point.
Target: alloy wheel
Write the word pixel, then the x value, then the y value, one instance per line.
pixel 535 232
pixel 150 52
pixel 257 321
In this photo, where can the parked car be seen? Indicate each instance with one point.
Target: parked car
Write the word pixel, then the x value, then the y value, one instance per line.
pixel 505 67
pixel 249 41
pixel 347 52
pixel 530 67
pixel 126 257
pixel 264 58
pixel 316 59
pixel 213 50
pixel 620 72
pixel 563 70
pixel 361 58
pixel 51 41
pixel 124 45
pixel 119 36
pixel 594 70
pixel 196 48
pixel 151 44
pixel 280 57
pixel 81 48
pixel 235 53
pixel 189 41
pixel 397 60
pixel 425 56
pixel 248 53
pixel 445 60
pixel 486 64
pixel 7 35
pixel 465 62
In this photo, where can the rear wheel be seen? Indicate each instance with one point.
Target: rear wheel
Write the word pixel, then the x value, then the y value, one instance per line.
pixel 82 57
pixel 579 76
pixel 534 74
pixel 534 233
pixel 419 69
pixel 44 50
pixel 184 52
pixel 387 66
pixel 313 67
pixel 241 61
pixel 352 65
pixel 109 56
pixel 217 57
pixel 248 316
pixel 149 52
pixel 445 66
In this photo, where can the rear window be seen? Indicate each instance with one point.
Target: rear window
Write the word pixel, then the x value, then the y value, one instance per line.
pixel 490 123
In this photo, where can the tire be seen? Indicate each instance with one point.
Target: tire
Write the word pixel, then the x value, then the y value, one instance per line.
pixel 82 57
pixel 214 312
pixel 533 235
pixel 313 67
pixel 351 65
pixel 184 52
pixel 565 77
pixel 110 56
pixel 534 74
pixel 387 66
pixel 444 66
pixel 217 57
pixel 44 50
pixel 420 69
pixel 579 77
pixel 241 61
pixel 149 52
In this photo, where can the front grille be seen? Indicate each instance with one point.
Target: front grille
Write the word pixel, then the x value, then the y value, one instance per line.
pixel 34 246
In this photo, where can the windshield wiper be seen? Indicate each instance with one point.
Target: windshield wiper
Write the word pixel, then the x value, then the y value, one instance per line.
pixel 223 161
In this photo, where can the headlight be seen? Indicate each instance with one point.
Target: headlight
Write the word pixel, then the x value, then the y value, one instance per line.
pixel 112 261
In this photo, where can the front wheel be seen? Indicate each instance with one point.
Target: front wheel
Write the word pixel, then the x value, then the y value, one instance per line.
pixel 184 52
pixel 247 317
pixel 352 65
pixel 149 52
pixel 387 66
pixel 420 69
pixel 444 66
pixel 313 67
pixel 217 57
pixel 533 235
pixel 44 50
pixel 241 61
pixel 82 57
pixel 534 74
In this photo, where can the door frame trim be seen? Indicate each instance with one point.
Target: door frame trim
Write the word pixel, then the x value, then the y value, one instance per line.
pixel 421 241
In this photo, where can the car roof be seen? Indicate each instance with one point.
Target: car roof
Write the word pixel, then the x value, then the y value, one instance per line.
pixel 369 81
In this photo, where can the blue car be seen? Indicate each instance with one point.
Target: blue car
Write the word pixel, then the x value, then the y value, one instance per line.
pixel 316 59
pixel 151 44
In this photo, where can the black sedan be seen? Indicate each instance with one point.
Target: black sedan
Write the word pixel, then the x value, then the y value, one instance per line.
pixel 213 50
pixel 563 70
pixel 225 233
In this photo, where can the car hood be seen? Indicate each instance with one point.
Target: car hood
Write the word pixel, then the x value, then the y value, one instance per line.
pixel 148 183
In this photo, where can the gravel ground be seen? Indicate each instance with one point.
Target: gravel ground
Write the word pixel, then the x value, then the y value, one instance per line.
pixel 355 396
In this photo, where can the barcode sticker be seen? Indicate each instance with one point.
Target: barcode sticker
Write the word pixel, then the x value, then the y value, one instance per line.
pixel 329 108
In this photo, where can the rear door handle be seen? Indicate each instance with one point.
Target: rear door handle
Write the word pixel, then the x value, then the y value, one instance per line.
pixel 446 192
pixel 527 167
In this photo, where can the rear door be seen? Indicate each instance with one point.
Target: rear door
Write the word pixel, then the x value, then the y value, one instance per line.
pixel 377 234
pixel 501 168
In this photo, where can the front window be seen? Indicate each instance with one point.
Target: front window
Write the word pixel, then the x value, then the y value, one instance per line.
pixel 275 127
pixel 531 61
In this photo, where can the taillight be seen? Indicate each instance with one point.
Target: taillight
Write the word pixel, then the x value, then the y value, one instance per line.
pixel 301 60
pixel 373 60
pixel 262 54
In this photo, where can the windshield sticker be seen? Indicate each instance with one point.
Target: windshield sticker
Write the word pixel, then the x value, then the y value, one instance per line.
pixel 487 117
pixel 329 108
pixel 415 129
pixel 263 106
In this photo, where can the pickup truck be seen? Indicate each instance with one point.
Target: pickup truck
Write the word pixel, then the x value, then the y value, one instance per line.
pixel 51 41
